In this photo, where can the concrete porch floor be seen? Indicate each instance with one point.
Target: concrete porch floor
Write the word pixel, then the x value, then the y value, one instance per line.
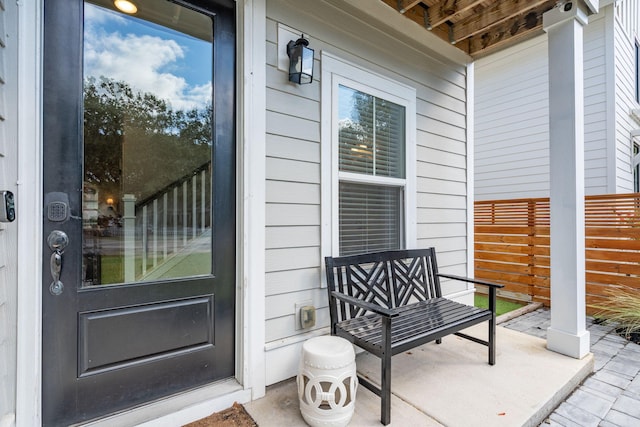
pixel 452 385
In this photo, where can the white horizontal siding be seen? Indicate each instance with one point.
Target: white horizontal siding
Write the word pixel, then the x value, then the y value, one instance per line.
pixel 293 163
pixel 293 281
pixel 291 170
pixel 596 173
pixel 625 36
pixel 292 192
pixel 279 214
pixel 292 237
pixel 628 16
pixel 292 127
pixel 281 325
pixel 442 186
pixel 511 118
pixel 511 124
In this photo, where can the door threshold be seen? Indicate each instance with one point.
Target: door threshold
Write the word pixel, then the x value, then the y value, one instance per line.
pixel 179 409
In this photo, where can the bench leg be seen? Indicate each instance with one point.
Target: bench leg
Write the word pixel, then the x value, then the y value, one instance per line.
pixel 385 378
pixel 492 327
pixel 439 341
pixel 385 395
pixel 492 341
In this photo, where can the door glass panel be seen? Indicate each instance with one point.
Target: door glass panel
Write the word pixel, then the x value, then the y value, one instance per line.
pixel 147 143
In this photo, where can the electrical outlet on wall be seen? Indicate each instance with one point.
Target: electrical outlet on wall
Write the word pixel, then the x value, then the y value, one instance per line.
pixel 308 316
pixel 299 314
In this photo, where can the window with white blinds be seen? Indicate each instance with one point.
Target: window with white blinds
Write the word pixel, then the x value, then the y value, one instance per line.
pixel 371 143
pixel 368 145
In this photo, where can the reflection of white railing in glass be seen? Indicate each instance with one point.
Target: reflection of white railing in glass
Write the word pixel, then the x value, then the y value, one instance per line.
pixel 129 223
pixel 161 226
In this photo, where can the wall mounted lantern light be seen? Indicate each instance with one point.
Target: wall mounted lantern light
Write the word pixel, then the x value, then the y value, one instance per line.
pixel 300 61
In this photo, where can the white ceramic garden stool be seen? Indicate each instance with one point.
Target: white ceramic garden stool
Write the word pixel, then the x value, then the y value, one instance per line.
pixel 327 381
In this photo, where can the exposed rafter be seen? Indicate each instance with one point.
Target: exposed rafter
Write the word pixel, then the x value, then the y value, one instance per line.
pixel 448 10
pixel 494 15
pixel 477 27
pixel 404 5
pixel 509 31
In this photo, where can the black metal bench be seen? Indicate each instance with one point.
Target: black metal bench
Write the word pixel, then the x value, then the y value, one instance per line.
pixel 389 302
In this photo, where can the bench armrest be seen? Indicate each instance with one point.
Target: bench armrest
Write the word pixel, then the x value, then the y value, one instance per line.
pixel 470 280
pixel 493 290
pixel 374 308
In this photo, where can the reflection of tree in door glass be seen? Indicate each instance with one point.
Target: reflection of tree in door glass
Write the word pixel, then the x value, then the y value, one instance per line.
pixel 147 148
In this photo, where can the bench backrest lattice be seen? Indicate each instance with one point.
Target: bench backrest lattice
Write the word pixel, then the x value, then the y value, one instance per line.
pixel 393 280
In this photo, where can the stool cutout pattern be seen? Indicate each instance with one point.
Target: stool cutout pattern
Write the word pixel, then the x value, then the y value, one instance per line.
pixel 327 381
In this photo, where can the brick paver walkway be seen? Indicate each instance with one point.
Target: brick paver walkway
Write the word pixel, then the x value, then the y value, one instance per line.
pixel 611 395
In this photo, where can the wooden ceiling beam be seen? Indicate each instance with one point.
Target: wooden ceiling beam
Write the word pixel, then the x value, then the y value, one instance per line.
pixel 405 5
pixel 477 27
pixel 446 10
pixel 495 15
pixel 508 31
pixel 416 14
pixel 419 16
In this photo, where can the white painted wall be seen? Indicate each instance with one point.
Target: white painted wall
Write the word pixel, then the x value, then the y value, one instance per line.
pixel 293 163
pixel 8 231
pixel 626 35
pixel 628 16
pixel 511 122
pixel 511 117
pixel 599 179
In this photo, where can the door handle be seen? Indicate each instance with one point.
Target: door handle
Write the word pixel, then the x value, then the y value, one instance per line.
pixel 57 241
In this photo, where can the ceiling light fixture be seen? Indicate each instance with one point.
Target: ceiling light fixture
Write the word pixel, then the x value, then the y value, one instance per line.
pixel 125 6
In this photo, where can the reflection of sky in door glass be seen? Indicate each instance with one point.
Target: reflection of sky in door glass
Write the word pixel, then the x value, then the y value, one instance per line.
pixel 151 58
pixel 147 143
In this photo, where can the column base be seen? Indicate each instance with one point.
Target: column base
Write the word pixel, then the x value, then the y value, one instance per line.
pixel 576 346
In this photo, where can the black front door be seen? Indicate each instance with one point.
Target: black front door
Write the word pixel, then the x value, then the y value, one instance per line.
pixel 139 202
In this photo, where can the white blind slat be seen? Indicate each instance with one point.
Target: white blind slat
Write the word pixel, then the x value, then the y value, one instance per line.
pixel 369 218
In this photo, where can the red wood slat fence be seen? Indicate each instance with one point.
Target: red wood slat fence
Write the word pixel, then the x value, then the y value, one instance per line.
pixel 512 245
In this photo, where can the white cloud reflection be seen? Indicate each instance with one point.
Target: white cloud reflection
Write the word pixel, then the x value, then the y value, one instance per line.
pixel 143 61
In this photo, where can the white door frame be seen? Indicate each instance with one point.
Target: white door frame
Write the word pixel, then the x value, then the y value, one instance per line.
pixel 29 208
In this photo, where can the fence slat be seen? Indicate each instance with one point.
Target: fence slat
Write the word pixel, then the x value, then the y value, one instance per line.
pixel 613 267
pixel 512 245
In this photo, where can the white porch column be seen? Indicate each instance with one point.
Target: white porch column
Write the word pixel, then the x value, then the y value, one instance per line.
pixel 564 25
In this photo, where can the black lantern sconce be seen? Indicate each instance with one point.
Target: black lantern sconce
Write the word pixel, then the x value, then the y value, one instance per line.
pixel 300 61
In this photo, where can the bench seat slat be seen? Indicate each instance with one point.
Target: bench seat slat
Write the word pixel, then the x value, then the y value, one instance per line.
pixel 426 320
pixel 423 321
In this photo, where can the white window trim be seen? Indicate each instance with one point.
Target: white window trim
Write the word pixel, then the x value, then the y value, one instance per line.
pixel 635 158
pixel 336 71
pixel 636 69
